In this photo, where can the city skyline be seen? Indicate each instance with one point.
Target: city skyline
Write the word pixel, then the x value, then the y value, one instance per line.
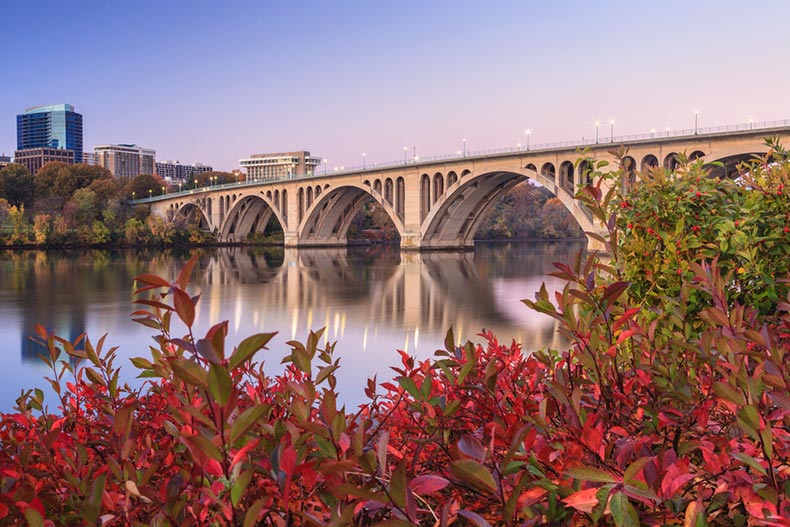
pixel 209 84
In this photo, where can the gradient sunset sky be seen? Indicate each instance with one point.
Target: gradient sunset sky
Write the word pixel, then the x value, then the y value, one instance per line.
pixel 213 82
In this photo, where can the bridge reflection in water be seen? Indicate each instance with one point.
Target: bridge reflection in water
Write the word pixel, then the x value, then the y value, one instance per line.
pixel 372 300
pixel 376 300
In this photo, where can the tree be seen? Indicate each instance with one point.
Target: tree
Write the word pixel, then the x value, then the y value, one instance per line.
pixel 86 205
pixel 106 189
pixel 143 186
pixel 58 179
pixel 16 184
pixel 46 177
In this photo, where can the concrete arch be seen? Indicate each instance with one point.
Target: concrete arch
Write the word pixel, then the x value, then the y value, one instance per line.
pixel 425 195
pixel 648 162
pixel 377 186
pixel 452 177
pixel 584 169
pixel 328 220
pixel 696 154
pixel 438 186
pixel 671 161
pixel 730 160
pixel 249 214
pixel 567 176
pixel 532 167
pixel 549 172
pixel 192 214
pixel 629 172
pixel 388 191
pixel 400 197
pixel 455 218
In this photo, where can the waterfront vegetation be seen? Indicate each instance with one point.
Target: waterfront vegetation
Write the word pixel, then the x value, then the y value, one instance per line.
pixel 68 205
pixel 669 407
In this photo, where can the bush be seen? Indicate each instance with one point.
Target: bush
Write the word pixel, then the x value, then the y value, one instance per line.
pixel 657 414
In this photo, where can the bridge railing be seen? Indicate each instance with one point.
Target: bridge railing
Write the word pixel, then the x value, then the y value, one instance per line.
pixel 536 148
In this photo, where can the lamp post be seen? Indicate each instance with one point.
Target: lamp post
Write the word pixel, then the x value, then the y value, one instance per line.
pixel 751 123
pixel 325 160
pixel 696 119
pixel 529 133
pixel 597 126
pixel 464 141
pixel 164 191
pixel 150 193
pixel 611 126
pixel 179 186
pixel 364 160
pixel 133 195
pixel 405 153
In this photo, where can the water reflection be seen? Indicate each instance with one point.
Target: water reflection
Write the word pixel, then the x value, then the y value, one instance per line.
pixel 373 300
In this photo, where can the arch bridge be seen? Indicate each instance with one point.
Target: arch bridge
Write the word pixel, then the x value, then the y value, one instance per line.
pixel 439 203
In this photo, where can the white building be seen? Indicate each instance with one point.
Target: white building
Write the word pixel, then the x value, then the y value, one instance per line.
pixel 283 165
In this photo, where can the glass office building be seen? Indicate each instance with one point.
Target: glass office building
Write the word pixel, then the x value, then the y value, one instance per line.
pixel 54 126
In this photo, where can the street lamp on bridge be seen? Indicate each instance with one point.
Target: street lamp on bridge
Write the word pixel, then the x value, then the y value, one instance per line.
pixel 464 141
pixel 325 160
pixel 364 160
pixel 611 125
pixel 529 133
pixel 597 125
pixel 696 118
pixel 405 153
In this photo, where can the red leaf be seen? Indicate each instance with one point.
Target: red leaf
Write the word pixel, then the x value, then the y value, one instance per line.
pixel 152 279
pixel 583 500
pixel 184 306
pixel 472 447
pixel 427 485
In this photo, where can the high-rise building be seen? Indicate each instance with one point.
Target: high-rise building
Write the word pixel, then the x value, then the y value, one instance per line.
pixel 35 158
pixel 55 126
pixel 284 165
pixel 126 161
pixel 175 171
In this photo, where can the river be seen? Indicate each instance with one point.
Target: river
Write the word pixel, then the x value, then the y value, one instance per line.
pixel 371 300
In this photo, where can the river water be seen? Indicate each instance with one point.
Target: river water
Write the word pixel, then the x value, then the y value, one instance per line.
pixel 372 301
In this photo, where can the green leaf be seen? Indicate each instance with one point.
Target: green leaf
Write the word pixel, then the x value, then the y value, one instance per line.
pixel 472 472
pixel 750 461
pixel 189 371
pixel 251 518
pixel 248 348
pixel 246 420
pixel 204 446
pixel 240 485
pixel 220 385
pixel 726 391
pixel 591 474
pixel 407 383
pixel 749 421
pixel 33 518
pixel 301 359
pixel 634 468
pixel 623 512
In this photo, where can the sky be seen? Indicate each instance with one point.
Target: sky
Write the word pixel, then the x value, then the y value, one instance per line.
pixel 214 82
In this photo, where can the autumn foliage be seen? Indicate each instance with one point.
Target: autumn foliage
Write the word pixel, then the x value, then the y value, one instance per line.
pixel 671 405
